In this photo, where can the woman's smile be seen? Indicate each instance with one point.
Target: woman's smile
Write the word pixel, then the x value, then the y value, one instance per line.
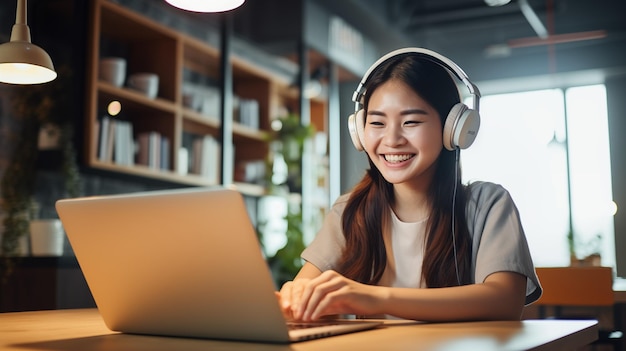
pixel 398 158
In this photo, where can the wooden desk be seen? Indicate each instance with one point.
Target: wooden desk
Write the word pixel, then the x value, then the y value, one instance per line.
pixel 84 330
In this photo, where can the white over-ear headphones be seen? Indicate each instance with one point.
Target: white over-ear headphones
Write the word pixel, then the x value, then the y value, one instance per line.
pixel 461 124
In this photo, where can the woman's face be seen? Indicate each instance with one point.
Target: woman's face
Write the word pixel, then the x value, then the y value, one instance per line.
pixel 402 134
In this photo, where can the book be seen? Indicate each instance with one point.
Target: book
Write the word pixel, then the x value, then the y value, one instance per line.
pixel 103 136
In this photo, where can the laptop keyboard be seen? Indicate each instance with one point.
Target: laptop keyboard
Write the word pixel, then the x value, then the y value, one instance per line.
pixel 304 325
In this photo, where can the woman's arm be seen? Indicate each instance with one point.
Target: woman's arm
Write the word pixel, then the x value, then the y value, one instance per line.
pixel 499 297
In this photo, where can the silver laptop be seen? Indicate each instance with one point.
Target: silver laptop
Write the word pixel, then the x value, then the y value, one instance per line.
pixel 183 263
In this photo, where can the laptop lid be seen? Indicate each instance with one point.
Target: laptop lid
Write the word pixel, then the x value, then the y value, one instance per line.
pixel 183 262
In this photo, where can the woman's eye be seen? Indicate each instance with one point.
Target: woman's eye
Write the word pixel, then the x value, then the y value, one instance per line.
pixel 412 122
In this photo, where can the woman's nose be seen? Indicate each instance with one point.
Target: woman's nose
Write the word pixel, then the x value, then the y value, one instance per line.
pixel 394 136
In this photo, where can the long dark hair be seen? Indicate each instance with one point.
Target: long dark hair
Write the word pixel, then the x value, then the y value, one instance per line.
pixel 367 213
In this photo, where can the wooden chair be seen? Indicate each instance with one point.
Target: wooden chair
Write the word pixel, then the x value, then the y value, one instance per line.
pixel 580 287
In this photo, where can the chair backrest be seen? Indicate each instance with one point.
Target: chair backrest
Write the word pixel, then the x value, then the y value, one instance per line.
pixel 576 286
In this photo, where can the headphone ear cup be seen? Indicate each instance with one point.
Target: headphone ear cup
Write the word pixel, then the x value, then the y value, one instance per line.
pixel 461 127
pixel 467 129
pixel 356 122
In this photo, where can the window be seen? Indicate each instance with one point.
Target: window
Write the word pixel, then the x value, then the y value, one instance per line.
pixel 590 171
pixel 525 144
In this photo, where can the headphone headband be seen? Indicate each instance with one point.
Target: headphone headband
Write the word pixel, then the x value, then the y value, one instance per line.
pixel 430 55
pixel 460 125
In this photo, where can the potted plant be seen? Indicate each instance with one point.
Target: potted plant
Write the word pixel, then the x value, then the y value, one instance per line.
pixel 33 107
pixel 586 253
pixel 287 147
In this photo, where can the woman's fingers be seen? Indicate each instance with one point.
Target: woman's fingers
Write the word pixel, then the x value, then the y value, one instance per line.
pixel 291 297
pixel 281 302
pixel 316 295
pixel 309 299
pixel 285 295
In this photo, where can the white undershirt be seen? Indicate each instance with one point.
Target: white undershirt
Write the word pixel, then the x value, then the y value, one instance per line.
pixel 405 251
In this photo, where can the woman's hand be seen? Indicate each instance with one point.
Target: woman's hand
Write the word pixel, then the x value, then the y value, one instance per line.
pixel 328 294
pixel 311 297
pixel 294 288
pixel 289 292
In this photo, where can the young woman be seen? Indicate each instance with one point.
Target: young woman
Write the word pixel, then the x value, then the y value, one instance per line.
pixel 410 240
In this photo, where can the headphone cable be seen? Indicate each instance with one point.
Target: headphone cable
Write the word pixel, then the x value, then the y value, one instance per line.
pixel 456 181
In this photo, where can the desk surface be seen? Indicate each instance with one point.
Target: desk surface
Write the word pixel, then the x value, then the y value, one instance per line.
pixel 84 330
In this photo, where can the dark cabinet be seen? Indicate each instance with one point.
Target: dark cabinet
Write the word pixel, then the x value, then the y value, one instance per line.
pixel 42 283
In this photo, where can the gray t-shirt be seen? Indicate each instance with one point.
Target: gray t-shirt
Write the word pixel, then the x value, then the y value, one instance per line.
pixel 498 239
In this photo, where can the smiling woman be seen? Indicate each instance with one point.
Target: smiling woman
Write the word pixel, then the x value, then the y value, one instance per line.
pixel 410 225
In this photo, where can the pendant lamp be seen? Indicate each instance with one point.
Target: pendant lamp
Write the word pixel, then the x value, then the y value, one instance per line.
pixel 206 5
pixel 497 2
pixel 22 62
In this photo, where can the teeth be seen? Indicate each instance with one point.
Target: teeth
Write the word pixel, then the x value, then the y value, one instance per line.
pixel 397 158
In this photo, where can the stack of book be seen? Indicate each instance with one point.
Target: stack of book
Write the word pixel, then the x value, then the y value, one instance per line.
pixel 116 144
pixel 248 113
pixel 153 150
pixel 205 158
pixel 115 141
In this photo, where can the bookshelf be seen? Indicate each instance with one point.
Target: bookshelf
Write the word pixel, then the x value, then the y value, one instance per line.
pixel 185 112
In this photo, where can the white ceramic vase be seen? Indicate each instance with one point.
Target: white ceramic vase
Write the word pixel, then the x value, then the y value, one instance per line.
pixel 46 237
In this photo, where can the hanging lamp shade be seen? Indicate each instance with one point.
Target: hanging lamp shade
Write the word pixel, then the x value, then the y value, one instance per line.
pixel 22 62
pixel 206 5
pixel 497 2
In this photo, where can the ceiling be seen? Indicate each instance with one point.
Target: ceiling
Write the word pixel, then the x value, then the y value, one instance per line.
pixel 581 38
pixel 494 42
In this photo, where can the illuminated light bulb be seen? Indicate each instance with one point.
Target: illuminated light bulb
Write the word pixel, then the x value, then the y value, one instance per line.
pixel 497 2
pixel 206 5
pixel 114 108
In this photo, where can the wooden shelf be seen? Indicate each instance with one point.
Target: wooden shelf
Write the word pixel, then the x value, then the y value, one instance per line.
pixel 178 59
pixel 114 93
